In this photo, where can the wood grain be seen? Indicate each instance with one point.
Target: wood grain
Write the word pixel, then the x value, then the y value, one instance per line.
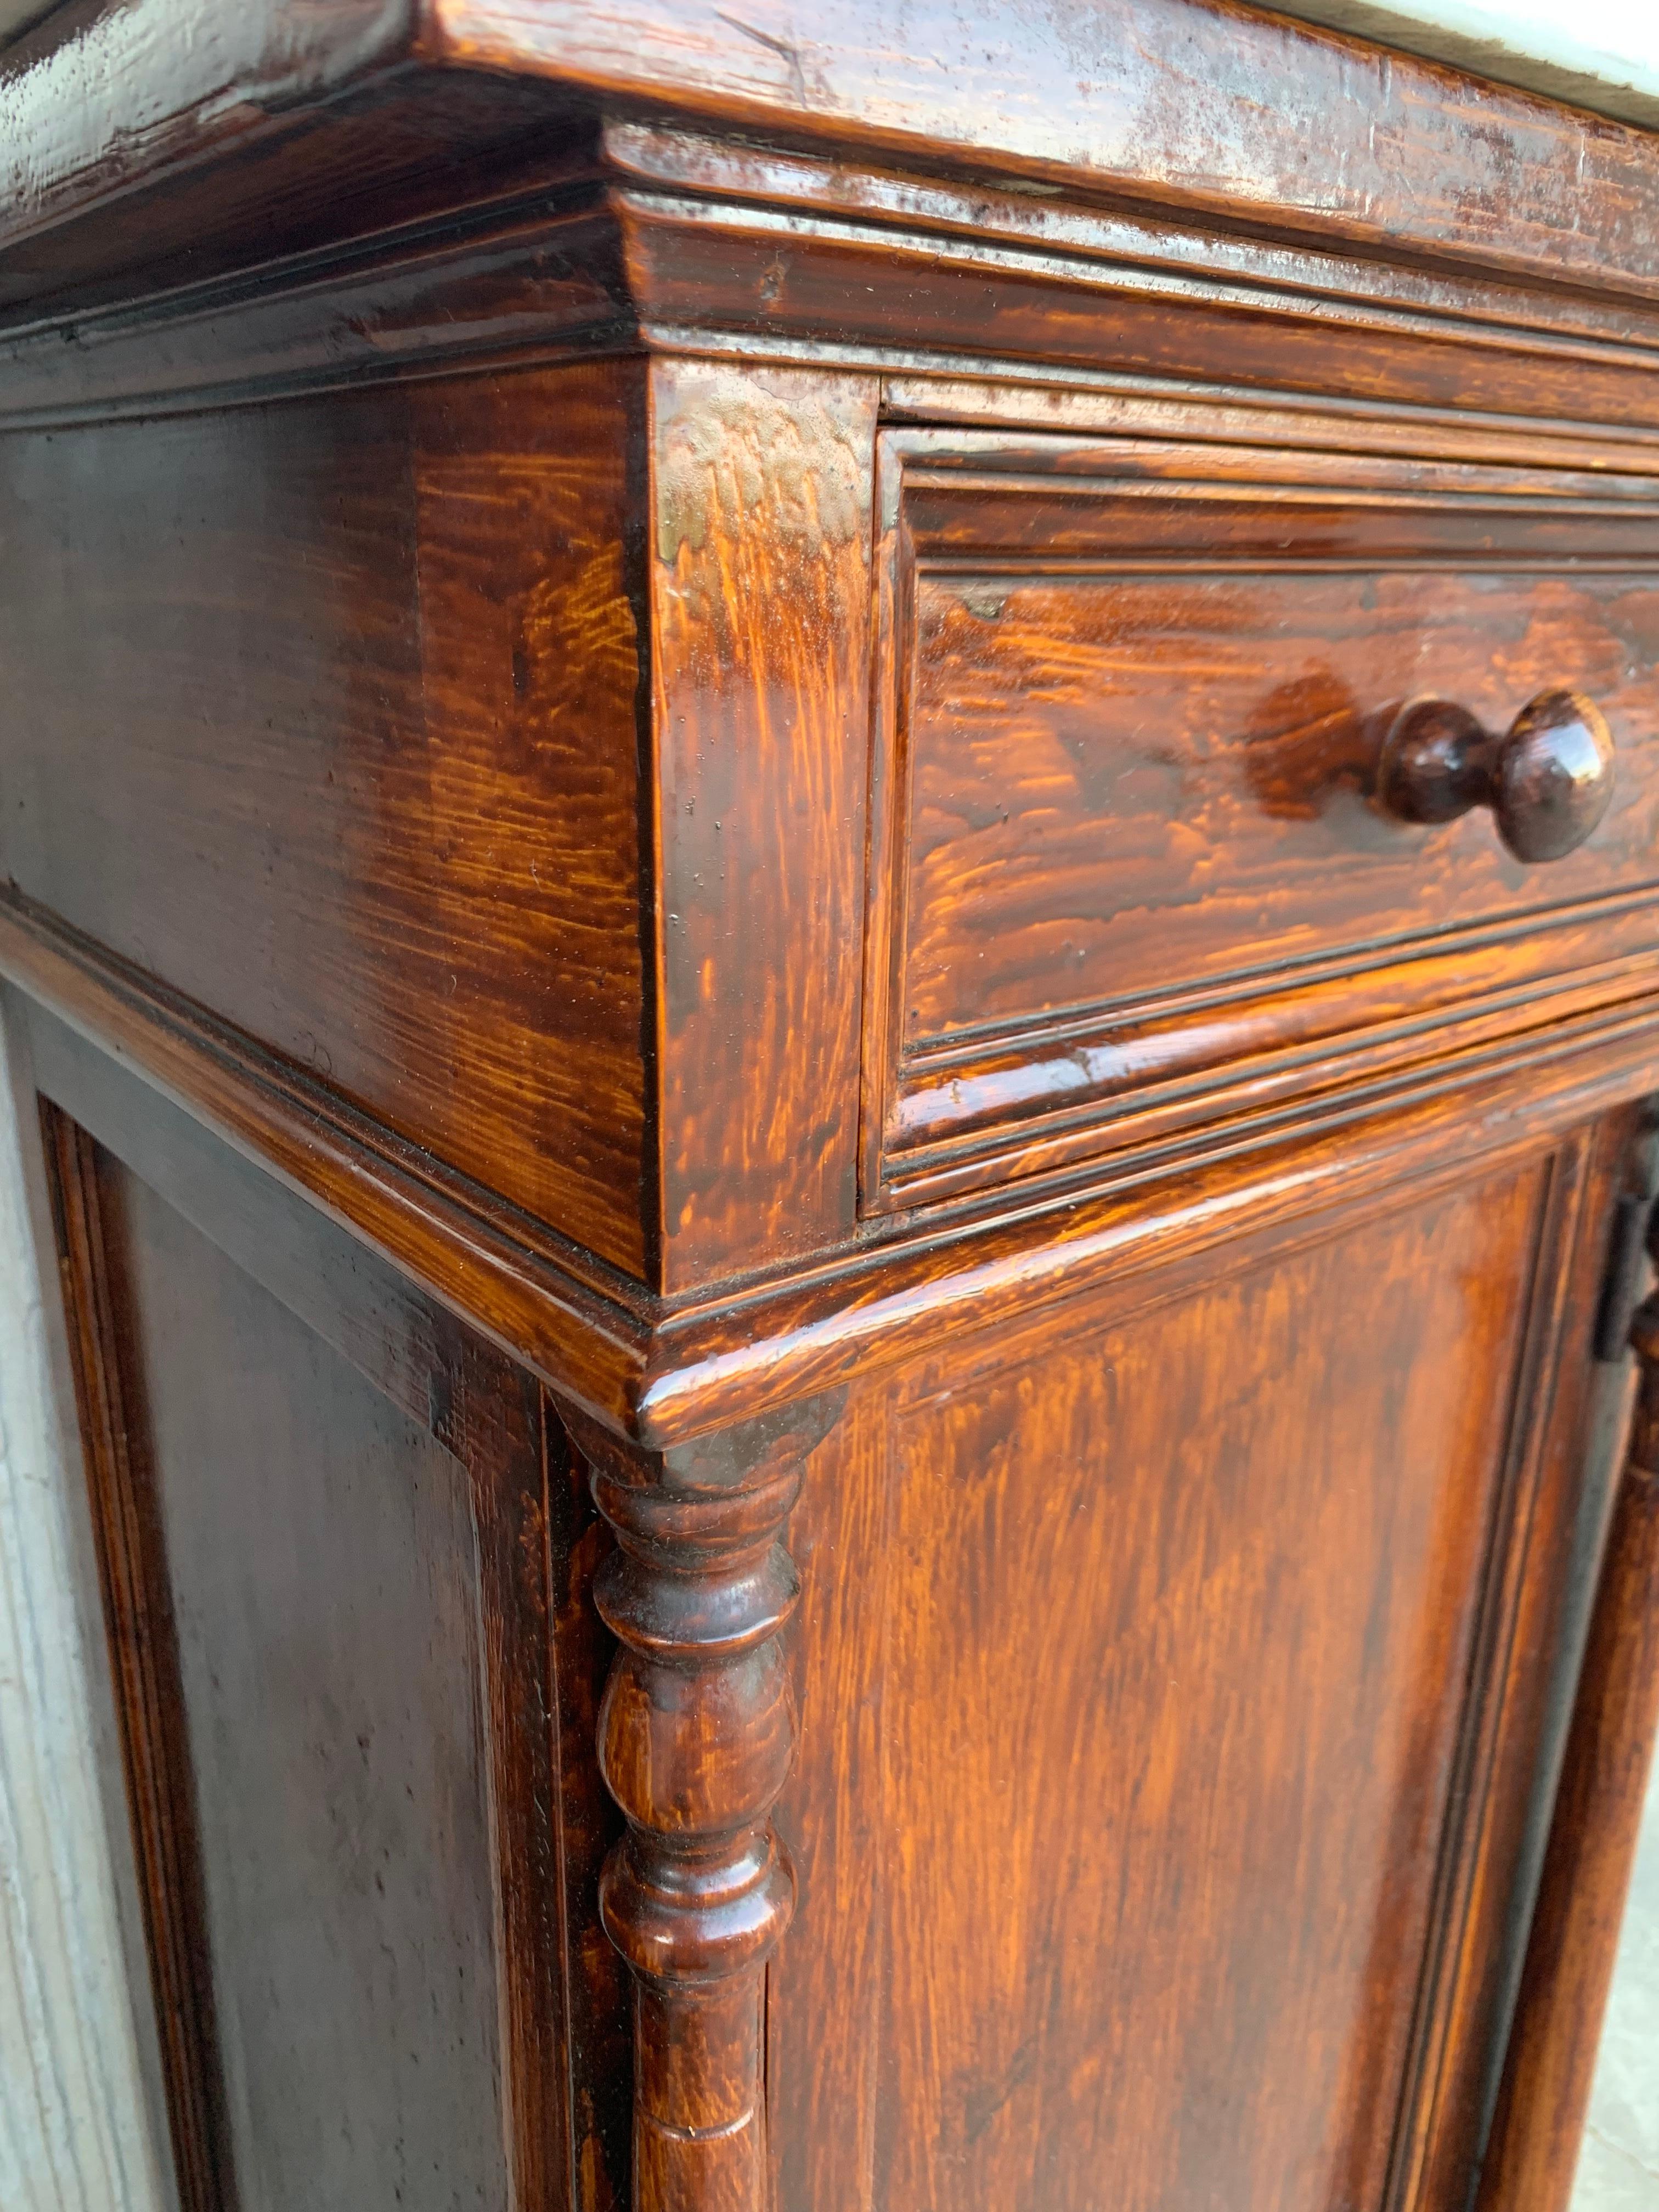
pixel 761 486
pixel 1131 708
pixel 1066 243
pixel 75 2125
pixel 809 280
pixel 522 285
pixel 337 1738
pixel 198 125
pixel 169 146
pixel 146 1664
pixel 1125 405
pixel 1180 114
pixel 328 718
pixel 696 1737
pixel 690 790
pixel 621 235
pixel 1063 1861
pixel 240 1203
pixel 522 1556
pixel 663 1375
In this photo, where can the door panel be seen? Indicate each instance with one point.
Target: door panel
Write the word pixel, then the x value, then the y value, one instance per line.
pixel 1179 1647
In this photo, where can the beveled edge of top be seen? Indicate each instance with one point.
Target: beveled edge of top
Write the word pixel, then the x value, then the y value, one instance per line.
pixel 1198 106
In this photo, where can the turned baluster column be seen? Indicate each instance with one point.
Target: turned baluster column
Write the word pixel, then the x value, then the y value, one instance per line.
pixel 696 1735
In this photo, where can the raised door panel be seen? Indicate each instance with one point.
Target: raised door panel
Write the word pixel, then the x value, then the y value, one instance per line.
pixel 1162 1773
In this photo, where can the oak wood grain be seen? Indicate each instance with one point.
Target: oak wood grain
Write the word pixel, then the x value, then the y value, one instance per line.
pixel 689 785
pixel 662 1374
pixel 1066 241
pixel 328 719
pixel 816 280
pixel 1128 1742
pixel 762 484
pixel 624 236
pixel 1124 710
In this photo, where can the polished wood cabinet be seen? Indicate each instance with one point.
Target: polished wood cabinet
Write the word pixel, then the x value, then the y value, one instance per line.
pixel 831 876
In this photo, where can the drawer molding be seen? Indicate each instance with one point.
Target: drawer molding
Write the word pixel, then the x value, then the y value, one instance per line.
pixel 985 1064
pixel 1038 1097
pixel 101 1036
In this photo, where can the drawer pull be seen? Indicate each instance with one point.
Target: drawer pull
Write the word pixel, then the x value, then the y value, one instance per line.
pixel 1548 778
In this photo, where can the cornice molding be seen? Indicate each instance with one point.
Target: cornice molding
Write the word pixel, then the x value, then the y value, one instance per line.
pixel 680 243
pixel 144 137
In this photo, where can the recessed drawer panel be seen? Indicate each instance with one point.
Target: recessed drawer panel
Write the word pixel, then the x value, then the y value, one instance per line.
pixel 1135 889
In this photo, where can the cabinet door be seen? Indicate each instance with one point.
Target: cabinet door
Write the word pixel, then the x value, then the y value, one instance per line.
pixel 1176 1678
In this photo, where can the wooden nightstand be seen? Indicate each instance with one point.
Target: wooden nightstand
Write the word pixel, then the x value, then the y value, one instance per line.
pixel 831 851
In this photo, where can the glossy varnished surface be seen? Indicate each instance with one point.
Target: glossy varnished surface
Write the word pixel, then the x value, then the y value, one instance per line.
pixel 1090 1477
pixel 934 271
pixel 1131 1812
pixel 354 754
pixel 692 715
pixel 620 233
pixel 1175 110
pixel 103 106
pixel 1133 866
pixel 364 716
pixel 327 718
pixel 761 607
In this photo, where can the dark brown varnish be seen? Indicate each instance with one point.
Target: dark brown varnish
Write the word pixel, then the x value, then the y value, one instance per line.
pixel 829 862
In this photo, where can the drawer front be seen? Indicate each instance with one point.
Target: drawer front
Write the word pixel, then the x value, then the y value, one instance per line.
pixel 1134 893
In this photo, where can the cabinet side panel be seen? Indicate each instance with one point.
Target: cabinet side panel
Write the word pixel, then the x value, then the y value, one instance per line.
pixel 304 1625
pixel 324 712
pixel 528 1551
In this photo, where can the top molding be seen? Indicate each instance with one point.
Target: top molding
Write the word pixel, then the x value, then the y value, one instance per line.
pixel 1159 101
pixel 184 135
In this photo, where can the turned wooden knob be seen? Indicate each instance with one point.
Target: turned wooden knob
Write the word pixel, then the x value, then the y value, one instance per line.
pixel 1548 778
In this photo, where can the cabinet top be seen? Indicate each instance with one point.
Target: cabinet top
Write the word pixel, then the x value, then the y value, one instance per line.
pixel 151 141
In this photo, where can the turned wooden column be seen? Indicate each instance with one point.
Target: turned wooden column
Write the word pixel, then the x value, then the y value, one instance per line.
pixel 697 1736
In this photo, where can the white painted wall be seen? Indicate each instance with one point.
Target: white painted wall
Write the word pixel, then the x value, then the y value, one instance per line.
pixel 1619 2164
